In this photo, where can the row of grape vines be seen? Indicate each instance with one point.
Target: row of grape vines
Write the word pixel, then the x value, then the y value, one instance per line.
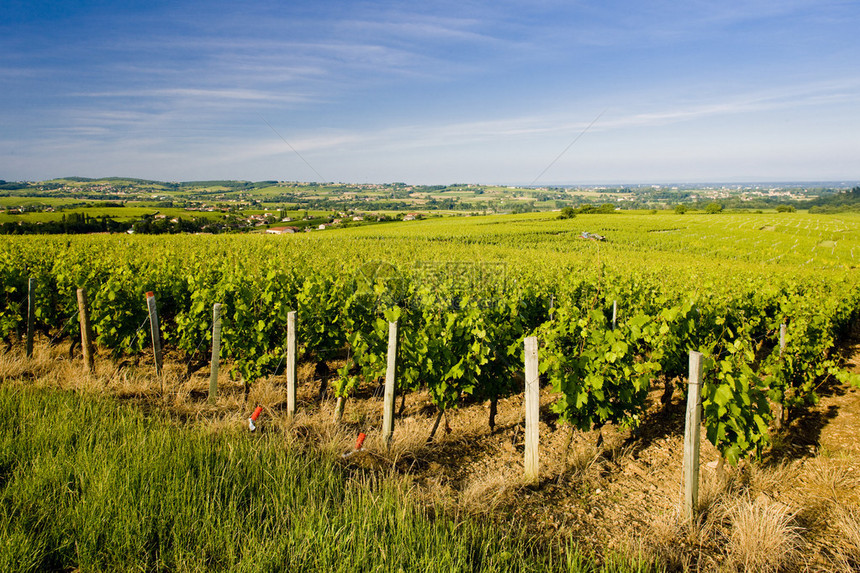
pixel 462 319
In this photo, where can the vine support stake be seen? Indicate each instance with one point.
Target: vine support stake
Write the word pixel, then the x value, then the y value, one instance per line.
pixel 86 331
pixel 390 381
pixel 216 352
pixel 31 312
pixel 691 436
pixel 780 407
pixel 532 404
pixel 614 313
pixel 156 333
pixel 782 328
pixel 291 363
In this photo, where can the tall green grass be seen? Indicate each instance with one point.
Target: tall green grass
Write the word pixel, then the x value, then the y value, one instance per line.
pixel 89 484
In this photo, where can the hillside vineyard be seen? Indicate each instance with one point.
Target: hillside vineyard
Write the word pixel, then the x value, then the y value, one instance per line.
pixel 612 318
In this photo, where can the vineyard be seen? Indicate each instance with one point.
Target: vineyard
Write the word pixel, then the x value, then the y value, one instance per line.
pixel 770 302
pixel 613 319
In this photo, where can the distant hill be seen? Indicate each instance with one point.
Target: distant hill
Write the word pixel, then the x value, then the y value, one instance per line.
pixel 848 200
pixel 12 185
pixel 228 183
pixel 108 179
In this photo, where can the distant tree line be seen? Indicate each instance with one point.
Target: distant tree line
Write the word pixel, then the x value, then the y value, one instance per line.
pixel 234 185
pixel 432 204
pixel 72 224
pixel 847 201
pixel 81 223
pixel 12 186
pixel 149 225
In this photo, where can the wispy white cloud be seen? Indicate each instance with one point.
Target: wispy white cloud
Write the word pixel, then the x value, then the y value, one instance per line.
pixel 513 127
pixel 793 97
pixel 475 83
pixel 416 28
pixel 201 94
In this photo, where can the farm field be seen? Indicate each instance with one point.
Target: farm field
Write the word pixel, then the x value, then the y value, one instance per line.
pixel 200 196
pixel 615 321
pixel 127 213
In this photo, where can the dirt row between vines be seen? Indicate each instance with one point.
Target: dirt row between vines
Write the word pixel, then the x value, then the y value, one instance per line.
pixel 615 492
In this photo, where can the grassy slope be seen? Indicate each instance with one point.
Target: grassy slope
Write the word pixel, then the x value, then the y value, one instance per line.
pixel 88 484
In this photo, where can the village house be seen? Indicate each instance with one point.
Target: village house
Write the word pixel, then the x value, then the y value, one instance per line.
pixel 281 230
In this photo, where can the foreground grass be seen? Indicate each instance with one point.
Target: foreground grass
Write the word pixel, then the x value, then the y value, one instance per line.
pixel 89 484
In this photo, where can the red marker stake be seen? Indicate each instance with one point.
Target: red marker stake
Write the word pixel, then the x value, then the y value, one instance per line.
pixel 254 417
pixel 358 443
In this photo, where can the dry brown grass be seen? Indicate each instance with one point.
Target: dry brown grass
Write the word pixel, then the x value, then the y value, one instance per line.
pixel 268 394
pixel 847 522
pixel 832 479
pixel 15 365
pixel 714 488
pixel 763 535
pixel 409 439
pixel 733 530
pixel 829 492
pixel 770 479
pixel 581 461
pixel 486 493
pixel 665 538
pixel 681 545
pixel 741 523
pixel 332 439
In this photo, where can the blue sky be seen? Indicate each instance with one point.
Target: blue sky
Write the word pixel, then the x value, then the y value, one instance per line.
pixel 432 92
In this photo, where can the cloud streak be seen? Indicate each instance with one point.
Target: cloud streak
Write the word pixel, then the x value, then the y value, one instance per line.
pixel 443 90
pixel 527 127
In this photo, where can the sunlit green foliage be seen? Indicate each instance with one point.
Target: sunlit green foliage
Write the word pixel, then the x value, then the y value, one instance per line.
pixel 466 291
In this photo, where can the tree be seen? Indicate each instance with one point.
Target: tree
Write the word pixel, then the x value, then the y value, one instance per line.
pixel 567 213
pixel 713 208
pixel 680 209
pixel 785 209
pixel 606 208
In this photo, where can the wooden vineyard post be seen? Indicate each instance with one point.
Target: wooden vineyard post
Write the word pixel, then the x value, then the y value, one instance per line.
pixel 614 314
pixel 339 406
pixel 390 380
pixel 782 328
pixel 216 352
pixel 291 363
pixel 86 331
pixel 691 437
pixel 31 312
pixel 532 404
pixel 780 408
pixel 156 333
